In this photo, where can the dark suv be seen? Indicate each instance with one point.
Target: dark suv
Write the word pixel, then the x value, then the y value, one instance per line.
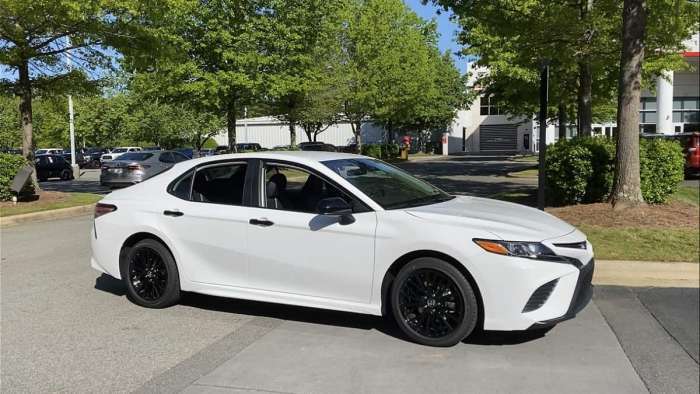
pixel 53 166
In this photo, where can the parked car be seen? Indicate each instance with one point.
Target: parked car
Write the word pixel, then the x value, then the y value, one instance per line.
pixel 248 147
pixel 344 232
pixel 691 148
pixel 12 151
pixel 116 152
pixel 80 159
pixel 317 146
pixel 52 166
pixel 221 149
pixel 692 155
pixel 189 152
pixel 135 167
pixel 48 151
pixel 206 152
pixel 152 148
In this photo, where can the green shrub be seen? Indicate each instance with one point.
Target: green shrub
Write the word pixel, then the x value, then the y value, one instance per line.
pixel 661 169
pixel 568 169
pixel 390 151
pixel 581 170
pixel 372 150
pixel 10 164
pixel 599 184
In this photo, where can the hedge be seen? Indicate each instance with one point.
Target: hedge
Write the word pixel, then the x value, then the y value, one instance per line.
pixel 581 170
pixel 381 151
pixel 10 164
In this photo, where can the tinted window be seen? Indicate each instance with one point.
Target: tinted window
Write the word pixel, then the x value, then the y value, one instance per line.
pixel 179 157
pixel 293 189
pixel 221 184
pixel 166 157
pixel 135 156
pixel 182 187
pixel 119 150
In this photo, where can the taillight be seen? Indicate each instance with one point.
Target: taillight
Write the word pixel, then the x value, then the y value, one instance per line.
pixel 103 209
pixel 136 167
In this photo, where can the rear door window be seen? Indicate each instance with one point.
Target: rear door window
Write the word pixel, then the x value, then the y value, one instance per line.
pixel 220 184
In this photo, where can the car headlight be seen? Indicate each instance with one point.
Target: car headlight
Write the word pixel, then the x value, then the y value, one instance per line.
pixel 532 250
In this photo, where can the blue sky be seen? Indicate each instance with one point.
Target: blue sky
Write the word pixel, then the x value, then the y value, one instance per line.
pixel 446 28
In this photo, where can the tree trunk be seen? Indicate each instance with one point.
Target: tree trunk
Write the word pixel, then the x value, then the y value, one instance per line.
pixel 292 133
pixel 25 110
pixel 626 185
pixel 357 131
pixel 562 121
pixel 585 105
pixel 231 124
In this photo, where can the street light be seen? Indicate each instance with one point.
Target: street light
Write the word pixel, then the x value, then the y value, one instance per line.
pixel 71 125
pixel 544 97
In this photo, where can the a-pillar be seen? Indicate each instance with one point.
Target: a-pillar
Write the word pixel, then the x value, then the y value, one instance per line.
pixel 664 103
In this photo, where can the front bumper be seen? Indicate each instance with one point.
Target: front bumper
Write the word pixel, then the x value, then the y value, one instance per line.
pixel 583 292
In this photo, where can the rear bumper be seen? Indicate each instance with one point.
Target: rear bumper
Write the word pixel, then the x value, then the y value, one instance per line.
pixel 582 296
pixel 119 180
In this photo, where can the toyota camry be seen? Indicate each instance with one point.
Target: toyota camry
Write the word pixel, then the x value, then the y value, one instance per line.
pixel 343 232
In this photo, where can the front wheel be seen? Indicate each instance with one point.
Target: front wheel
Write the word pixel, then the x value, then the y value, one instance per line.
pixel 433 303
pixel 150 275
pixel 66 175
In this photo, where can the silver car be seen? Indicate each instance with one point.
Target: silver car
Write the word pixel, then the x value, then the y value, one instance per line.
pixel 135 167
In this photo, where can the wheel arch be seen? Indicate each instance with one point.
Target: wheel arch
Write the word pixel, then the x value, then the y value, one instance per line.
pixel 135 238
pixel 408 257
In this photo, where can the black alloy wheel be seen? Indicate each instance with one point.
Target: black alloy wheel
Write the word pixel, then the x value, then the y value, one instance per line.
pixel 433 303
pixel 150 274
pixel 430 303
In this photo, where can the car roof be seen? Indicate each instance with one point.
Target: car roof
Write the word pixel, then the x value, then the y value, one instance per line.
pixel 297 156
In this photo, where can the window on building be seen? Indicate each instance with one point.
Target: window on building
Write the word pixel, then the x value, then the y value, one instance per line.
pixel 686 110
pixel 647 114
pixel 488 106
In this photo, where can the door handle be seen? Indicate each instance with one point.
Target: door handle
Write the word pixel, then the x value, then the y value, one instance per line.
pixel 261 222
pixel 173 213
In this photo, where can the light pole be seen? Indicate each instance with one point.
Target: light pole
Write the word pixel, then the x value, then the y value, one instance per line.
pixel 544 97
pixel 71 125
pixel 245 122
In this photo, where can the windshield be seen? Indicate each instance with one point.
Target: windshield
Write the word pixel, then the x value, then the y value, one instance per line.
pixel 387 185
pixel 119 150
pixel 135 156
pixel 41 151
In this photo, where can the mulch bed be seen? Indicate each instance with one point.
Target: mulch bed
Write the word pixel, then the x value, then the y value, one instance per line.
pixel 675 214
pixel 42 198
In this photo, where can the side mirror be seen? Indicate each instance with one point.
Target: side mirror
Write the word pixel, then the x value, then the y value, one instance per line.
pixel 336 206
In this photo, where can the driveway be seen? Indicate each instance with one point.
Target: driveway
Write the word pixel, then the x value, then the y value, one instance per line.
pixel 87 182
pixel 66 328
pixel 481 176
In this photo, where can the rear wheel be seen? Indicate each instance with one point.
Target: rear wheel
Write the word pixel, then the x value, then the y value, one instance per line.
pixel 150 275
pixel 66 175
pixel 433 303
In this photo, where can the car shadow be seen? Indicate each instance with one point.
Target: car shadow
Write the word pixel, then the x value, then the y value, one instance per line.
pixel 325 317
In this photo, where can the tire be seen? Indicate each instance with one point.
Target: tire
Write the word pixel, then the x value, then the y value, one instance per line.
pixel 433 303
pixel 66 175
pixel 150 275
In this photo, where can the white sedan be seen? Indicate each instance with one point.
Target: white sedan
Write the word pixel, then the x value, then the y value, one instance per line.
pixel 344 232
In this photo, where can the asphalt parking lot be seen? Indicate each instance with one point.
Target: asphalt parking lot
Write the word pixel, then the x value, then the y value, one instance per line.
pixel 67 328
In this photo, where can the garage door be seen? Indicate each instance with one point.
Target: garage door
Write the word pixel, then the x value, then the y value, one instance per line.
pixel 499 137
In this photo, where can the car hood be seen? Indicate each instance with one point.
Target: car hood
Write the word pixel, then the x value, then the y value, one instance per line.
pixel 509 221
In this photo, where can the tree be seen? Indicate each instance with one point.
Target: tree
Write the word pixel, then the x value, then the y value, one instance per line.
pixel 626 183
pixel 35 37
pixel 303 49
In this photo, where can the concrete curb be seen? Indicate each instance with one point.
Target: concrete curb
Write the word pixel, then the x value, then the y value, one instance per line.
pixel 47 215
pixel 646 274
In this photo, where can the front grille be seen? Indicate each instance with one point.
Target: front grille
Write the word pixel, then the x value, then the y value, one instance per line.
pixel 573 245
pixel 540 296
pixel 584 288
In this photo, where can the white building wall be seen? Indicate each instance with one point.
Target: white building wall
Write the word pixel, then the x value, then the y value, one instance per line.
pixel 270 132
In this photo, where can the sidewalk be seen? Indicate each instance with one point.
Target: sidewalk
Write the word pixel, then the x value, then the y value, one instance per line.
pixel 646 274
